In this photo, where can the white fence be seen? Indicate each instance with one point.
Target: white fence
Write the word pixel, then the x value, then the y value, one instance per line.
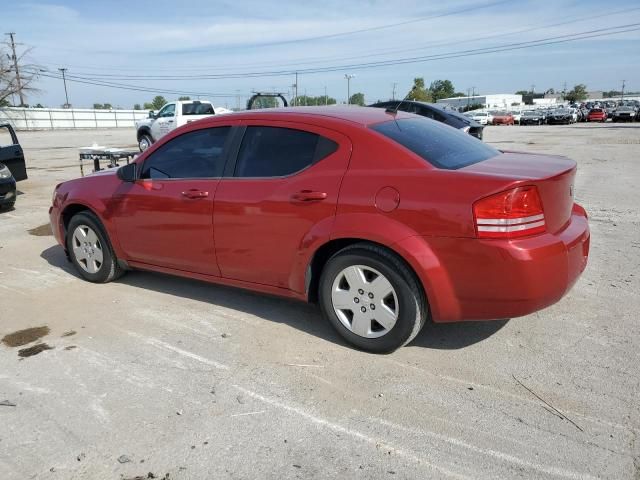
pixel 57 118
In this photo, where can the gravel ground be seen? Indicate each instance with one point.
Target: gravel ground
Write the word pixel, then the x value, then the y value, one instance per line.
pixel 155 376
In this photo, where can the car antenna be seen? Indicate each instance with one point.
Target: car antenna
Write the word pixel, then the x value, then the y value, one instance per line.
pixel 395 109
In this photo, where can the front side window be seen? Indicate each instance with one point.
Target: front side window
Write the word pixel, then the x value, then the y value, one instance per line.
pixel 168 110
pixel 439 144
pixel 278 152
pixel 197 154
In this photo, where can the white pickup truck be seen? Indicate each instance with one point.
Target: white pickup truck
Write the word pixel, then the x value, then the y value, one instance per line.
pixel 172 116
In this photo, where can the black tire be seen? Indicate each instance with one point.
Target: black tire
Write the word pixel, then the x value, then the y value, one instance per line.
pixel 412 308
pixel 141 141
pixel 109 269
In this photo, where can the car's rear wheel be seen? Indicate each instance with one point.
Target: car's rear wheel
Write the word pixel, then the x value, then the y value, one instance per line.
pixel 144 142
pixel 90 250
pixel 372 298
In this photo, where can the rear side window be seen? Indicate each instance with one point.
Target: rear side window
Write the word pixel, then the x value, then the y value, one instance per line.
pixel 442 146
pixel 197 154
pixel 197 109
pixel 278 152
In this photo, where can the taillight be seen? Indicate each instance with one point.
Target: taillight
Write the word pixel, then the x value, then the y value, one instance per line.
pixel 510 214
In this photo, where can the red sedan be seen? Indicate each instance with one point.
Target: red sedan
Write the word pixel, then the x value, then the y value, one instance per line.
pixel 503 118
pixel 386 220
pixel 597 115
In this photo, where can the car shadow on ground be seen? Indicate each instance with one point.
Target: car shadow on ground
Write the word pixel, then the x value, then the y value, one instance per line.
pixel 297 314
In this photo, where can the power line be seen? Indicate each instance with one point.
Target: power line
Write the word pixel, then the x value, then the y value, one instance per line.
pixel 324 59
pixel 457 54
pixel 601 32
pixel 121 86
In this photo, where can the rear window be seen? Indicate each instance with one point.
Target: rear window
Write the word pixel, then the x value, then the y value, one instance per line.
pixel 442 146
pixel 197 109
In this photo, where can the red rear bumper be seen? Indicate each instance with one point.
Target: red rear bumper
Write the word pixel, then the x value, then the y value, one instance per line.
pixel 473 279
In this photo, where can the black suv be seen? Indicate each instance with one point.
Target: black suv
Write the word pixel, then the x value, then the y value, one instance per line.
pixel 436 112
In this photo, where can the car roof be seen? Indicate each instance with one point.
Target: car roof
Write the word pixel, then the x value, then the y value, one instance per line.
pixel 363 116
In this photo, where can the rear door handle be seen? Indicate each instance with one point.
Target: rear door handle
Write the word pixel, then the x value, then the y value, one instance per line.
pixel 308 196
pixel 194 194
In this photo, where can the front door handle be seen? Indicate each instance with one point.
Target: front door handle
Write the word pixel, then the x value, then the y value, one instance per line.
pixel 308 196
pixel 195 193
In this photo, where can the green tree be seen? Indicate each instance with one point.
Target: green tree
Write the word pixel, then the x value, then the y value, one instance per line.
pixel 39 105
pixel 523 92
pixel 418 91
pixel 309 101
pixel 459 94
pixel 136 106
pixel 4 103
pixel 156 104
pixel 181 99
pixel 98 106
pixel 357 99
pixel 440 89
pixel 578 93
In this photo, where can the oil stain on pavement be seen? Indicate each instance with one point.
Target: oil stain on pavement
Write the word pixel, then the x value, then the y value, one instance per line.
pixel 41 231
pixel 22 337
pixel 35 350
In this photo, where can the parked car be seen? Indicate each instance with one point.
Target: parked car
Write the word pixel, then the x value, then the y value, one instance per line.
pixel 387 220
pixel 624 114
pixel 12 165
pixel 172 116
pixel 436 112
pixel 597 115
pixel 483 118
pixel 517 115
pixel 561 116
pixel 503 118
pixel 531 117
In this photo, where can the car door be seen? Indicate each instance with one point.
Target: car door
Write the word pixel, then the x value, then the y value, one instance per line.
pixel 11 153
pixel 285 181
pixel 165 121
pixel 165 218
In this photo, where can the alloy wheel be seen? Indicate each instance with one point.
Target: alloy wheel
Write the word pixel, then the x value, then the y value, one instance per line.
pixel 364 301
pixel 87 249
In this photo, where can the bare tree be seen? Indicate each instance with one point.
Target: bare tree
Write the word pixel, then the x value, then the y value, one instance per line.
pixel 8 78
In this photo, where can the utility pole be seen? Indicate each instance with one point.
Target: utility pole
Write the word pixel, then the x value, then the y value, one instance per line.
pixel 349 76
pixel 468 98
pixel 622 92
pixel 295 85
pixel 325 95
pixel 533 88
pixel 564 91
pixel 14 57
pixel 64 80
pixel 393 93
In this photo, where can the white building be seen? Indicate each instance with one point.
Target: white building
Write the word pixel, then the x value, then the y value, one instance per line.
pixel 498 101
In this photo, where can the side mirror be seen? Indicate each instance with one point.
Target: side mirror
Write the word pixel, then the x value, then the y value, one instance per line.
pixel 152 114
pixel 127 173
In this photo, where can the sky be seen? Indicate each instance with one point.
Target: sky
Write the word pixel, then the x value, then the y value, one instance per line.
pixel 247 45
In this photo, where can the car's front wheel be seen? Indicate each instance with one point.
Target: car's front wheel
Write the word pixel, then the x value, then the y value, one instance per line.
pixel 372 298
pixel 90 250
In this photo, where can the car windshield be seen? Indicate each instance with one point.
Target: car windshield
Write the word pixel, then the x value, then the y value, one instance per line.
pixel 442 146
pixel 530 114
pixel 596 110
pixel 562 112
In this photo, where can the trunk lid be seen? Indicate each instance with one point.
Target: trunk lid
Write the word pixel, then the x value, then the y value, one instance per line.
pixel 552 175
